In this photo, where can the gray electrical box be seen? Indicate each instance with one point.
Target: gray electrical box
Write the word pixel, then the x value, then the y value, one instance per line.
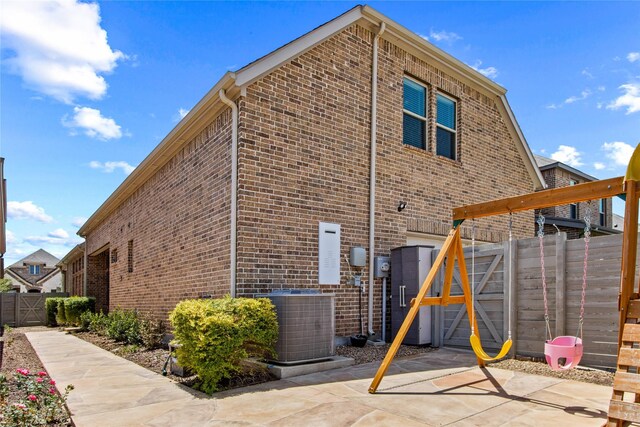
pixel 410 266
pixel 357 257
pixel 381 266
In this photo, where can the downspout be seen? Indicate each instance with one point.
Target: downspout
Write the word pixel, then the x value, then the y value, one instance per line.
pixel 372 176
pixel 234 186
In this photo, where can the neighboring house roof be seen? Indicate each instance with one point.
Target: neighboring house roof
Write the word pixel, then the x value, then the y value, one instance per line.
pixel 39 257
pixel 545 163
pixel 234 83
pixel 20 270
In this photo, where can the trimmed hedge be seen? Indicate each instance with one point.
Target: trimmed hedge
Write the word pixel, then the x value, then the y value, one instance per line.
pixel 217 334
pixel 75 306
pixel 51 308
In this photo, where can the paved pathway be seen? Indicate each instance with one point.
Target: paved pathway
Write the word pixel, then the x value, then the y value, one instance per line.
pixel 438 388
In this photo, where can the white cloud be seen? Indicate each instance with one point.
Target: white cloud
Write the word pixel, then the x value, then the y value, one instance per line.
pixel 630 99
pixel 93 123
pixel 27 210
pixel 11 238
pixel 58 236
pixel 58 47
pixel 442 36
pixel 78 221
pixel 109 167
pixel 587 73
pixel 633 56
pixel 619 152
pixel 568 155
pixel 59 233
pixel 183 112
pixel 599 166
pixel 583 95
pixel 490 72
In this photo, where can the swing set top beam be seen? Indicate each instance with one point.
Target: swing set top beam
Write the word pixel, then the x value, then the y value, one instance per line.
pixel 554 197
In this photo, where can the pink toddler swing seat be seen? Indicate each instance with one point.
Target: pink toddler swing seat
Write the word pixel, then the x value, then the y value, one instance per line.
pixel 563 347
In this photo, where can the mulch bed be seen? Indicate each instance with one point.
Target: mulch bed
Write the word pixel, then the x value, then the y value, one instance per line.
pixel 154 360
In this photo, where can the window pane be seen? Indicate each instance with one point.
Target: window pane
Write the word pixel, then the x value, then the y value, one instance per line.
pixel 413 131
pixel 414 97
pixel 573 211
pixel 446 143
pixel 446 112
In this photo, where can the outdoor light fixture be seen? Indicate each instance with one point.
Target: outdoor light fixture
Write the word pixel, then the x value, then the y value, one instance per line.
pixel 401 205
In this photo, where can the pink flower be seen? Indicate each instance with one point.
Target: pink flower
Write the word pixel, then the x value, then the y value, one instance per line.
pixel 24 372
pixel 39 380
pixel 52 390
pixel 52 382
pixel 20 405
pixel 32 397
pixel 42 374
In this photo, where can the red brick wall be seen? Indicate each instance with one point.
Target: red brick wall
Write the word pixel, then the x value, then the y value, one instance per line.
pixel 179 224
pixel 304 158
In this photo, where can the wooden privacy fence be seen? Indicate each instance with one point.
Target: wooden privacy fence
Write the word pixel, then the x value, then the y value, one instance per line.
pixel 24 309
pixel 564 267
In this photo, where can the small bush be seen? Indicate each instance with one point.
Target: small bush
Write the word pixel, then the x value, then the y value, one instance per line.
pixel 94 322
pixel 75 306
pixel 124 325
pixel 51 308
pixel 61 319
pixel 217 334
pixel 152 332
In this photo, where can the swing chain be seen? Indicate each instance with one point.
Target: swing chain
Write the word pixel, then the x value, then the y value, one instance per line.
pixel 473 275
pixel 544 279
pixel 587 238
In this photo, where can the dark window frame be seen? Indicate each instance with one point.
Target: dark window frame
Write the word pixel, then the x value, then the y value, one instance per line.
pixel 423 119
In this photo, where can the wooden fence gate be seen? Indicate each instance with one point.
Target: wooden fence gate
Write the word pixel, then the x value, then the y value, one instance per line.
pixel 452 322
pixel 24 309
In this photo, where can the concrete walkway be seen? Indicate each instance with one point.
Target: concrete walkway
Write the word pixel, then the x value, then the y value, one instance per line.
pixel 438 388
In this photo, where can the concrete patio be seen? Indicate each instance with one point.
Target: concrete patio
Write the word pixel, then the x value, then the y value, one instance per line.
pixel 435 389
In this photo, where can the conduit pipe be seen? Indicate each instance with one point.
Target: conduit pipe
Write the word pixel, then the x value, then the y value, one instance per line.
pixel 234 187
pixel 372 176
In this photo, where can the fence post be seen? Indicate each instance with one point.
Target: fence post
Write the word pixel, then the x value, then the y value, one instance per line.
pixel 16 319
pixel 561 283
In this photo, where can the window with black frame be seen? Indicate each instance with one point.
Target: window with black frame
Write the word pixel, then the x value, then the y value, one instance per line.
pixel 446 127
pixel 414 108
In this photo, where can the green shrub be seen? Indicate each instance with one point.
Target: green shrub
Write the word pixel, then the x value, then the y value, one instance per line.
pixel 75 306
pixel 61 319
pixel 51 308
pixel 152 332
pixel 94 322
pixel 217 334
pixel 124 325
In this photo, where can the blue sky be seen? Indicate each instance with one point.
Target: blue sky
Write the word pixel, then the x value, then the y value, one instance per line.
pixel 89 89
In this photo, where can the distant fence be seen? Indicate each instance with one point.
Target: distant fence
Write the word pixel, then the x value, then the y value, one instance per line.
pixel 24 309
pixel 564 267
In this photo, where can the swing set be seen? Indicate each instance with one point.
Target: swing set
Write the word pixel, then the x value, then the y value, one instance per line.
pixel 563 348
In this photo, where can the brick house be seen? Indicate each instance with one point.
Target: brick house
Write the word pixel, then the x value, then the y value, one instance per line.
pixel 336 127
pixel 570 218
pixel 72 268
pixel 37 272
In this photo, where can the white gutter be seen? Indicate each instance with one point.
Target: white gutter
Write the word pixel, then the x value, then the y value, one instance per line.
pixel 234 186
pixel 372 174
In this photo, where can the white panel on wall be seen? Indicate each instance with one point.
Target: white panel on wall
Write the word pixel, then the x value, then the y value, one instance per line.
pixel 329 254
